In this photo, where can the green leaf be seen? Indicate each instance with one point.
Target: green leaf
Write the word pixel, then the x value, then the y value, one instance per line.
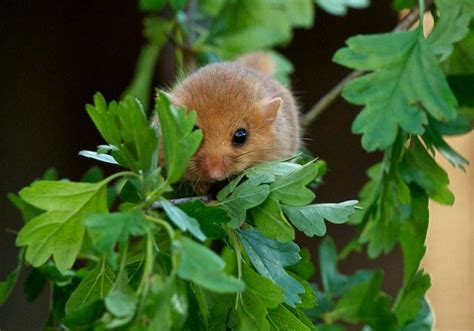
pixel 85 317
pixel 182 220
pixel 310 219
pixel 340 7
pixel 124 125
pixel 403 4
pixel 151 5
pixel 270 257
pixel 106 158
pixel 419 167
pixel 398 60
pixel 390 209
pixel 423 321
pixel 247 195
pixel 434 139
pixel 271 294
pixel 304 268
pixel 93 175
pixel 366 303
pixel 27 210
pixel 122 299
pixel 251 313
pixel 332 280
pixel 94 287
pixel 178 4
pixel 193 256
pixel 271 222
pixel 236 30
pixel 180 141
pixel 210 219
pixel 106 230
pixel 413 234
pixel 164 305
pixel 410 298
pixel 211 7
pixel 7 285
pixel 452 27
pixel 283 320
pixel 462 57
pixel 292 190
pixel 59 231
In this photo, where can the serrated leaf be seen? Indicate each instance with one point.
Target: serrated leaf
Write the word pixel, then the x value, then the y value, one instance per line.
pixel 271 294
pixel 333 281
pixel 94 287
pixel 193 256
pixel 304 268
pixel 210 219
pixel 270 257
pixel 234 31
pixel 27 210
pixel 419 167
pixel 284 320
pixel 247 195
pixel 452 27
pixel 411 296
pixel 366 303
pixel 271 222
pixel 398 61
pixel 124 125
pixel 291 189
pixel 251 313
pixel 122 299
pixel 340 7
pixel 310 219
pixel 462 57
pixel 182 220
pixel 7 285
pixel 413 234
pixel 59 231
pixel 180 141
pixel 423 321
pixel 106 230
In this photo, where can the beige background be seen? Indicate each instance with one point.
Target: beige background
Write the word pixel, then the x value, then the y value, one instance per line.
pixel 449 256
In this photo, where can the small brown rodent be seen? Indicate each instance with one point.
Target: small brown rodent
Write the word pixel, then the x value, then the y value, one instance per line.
pixel 246 116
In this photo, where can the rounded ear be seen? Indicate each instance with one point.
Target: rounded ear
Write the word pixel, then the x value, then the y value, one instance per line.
pixel 269 109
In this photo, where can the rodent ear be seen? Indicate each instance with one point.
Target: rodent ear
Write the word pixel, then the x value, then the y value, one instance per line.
pixel 270 109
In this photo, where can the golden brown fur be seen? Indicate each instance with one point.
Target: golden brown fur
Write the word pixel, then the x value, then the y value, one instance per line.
pixel 228 96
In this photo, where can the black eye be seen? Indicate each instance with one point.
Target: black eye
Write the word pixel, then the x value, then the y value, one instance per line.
pixel 195 128
pixel 240 137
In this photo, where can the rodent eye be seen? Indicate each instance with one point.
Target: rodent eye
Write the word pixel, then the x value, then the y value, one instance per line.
pixel 240 137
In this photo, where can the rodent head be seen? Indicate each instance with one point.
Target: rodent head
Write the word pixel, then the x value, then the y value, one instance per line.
pixel 235 117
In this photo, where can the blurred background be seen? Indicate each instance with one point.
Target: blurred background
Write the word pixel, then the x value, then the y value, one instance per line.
pixel 56 54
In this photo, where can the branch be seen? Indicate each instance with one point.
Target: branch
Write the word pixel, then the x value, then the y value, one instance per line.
pixel 329 98
pixel 203 198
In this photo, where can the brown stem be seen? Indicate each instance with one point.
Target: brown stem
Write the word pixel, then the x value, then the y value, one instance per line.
pixel 329 98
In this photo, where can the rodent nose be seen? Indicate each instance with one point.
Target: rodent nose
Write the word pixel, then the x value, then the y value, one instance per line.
pixel 214 167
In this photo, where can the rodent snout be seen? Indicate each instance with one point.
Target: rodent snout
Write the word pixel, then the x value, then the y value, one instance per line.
pixel 214 166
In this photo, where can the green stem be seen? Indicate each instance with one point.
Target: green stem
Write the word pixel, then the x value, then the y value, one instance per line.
pixel 164 224
pixel 421 11
pixel 238 255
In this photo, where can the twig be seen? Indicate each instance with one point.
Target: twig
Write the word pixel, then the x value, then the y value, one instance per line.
pixel 203 198
pixel 329 98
